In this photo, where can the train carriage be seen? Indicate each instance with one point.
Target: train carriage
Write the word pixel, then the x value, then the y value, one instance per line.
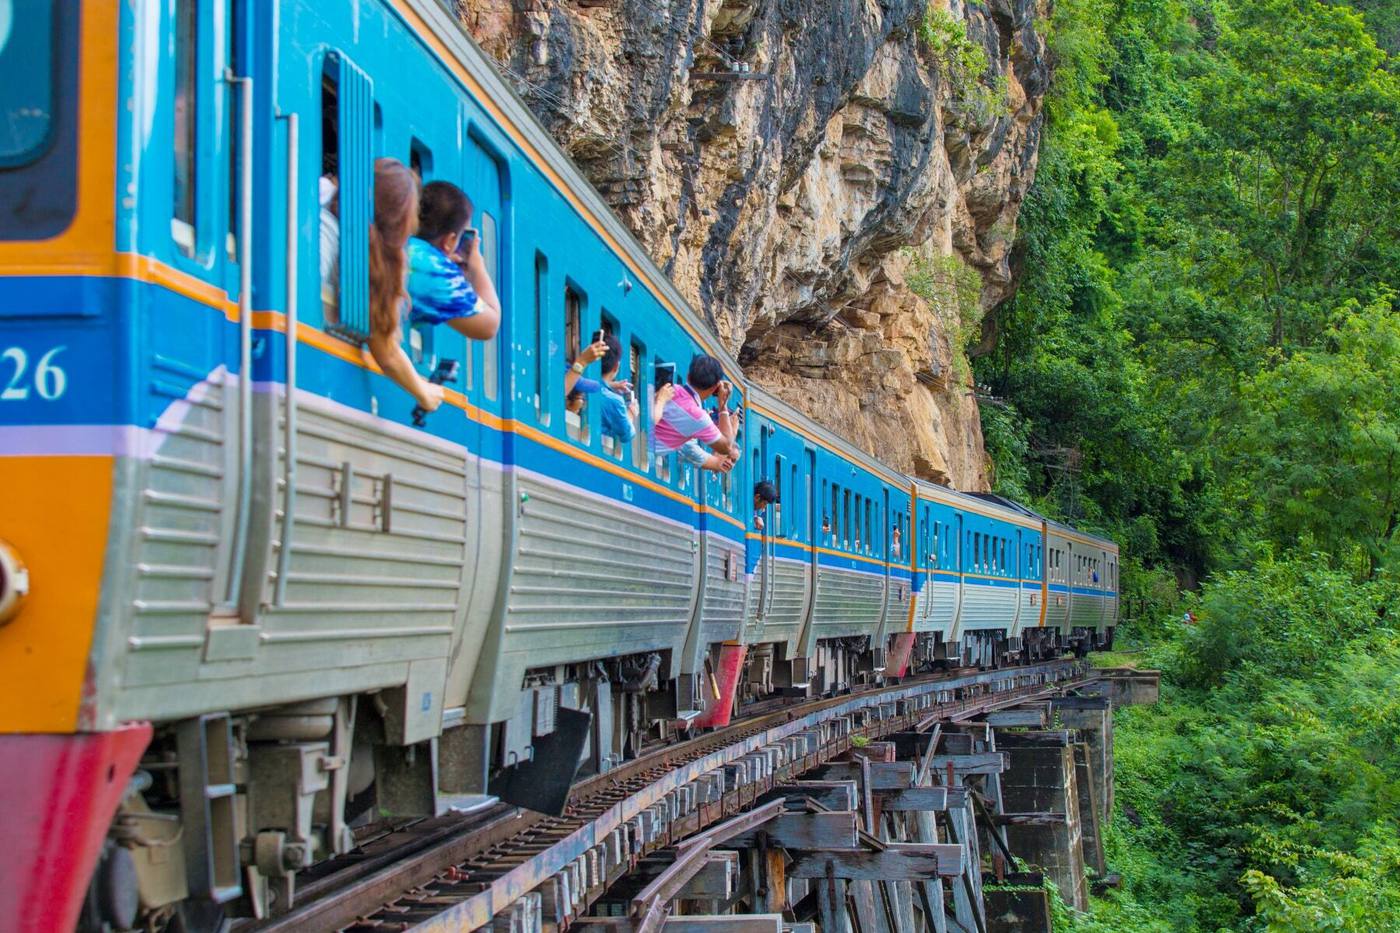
pixel 263 602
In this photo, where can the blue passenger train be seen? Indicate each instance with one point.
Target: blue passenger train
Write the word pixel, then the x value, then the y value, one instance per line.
pixel 247 604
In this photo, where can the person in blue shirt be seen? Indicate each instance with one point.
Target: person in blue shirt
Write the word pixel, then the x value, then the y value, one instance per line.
pixel 448 282
pixel 617 404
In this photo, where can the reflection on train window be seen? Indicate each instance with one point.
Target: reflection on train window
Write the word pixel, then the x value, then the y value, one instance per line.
pixel 490 349
pixel 182 223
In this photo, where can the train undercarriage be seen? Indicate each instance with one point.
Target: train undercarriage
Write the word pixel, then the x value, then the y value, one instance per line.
pixel 224 811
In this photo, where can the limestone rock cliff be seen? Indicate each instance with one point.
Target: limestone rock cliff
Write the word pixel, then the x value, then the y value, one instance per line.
pixel 833 183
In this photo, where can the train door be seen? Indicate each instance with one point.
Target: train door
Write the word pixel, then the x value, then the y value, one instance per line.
pixel 489 491
pixel 767 535
pixel 1018 570
pixel 882 534
pixel 959 557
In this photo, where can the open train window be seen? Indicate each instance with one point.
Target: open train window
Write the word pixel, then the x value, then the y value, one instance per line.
pixel 778 506
pixel 663 461
pixel 420 159
pixel 575 402
pixel 645 392
pixel 490 349
pixel 611 445
pixel 346 196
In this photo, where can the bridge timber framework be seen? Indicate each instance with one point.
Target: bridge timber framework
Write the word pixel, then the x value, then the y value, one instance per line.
pixel 898 810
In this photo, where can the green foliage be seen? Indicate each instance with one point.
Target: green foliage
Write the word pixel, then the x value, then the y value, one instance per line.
pixel 1217 194
pixel 964 63
pixel 1324 437
pixel 954 289
pixel 1203 360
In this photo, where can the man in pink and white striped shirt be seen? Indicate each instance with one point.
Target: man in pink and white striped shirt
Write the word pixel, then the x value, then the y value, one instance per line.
pixel 681 424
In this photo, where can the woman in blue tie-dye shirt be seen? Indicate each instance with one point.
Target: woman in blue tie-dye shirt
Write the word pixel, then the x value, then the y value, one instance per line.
pixel 447 278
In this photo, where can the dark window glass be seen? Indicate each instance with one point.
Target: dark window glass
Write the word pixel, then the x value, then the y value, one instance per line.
pixel 27 41
pixel 186 92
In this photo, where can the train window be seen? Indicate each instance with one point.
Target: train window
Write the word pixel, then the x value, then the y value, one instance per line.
pixel 1002 553
pixel 182 223
pixel 663 461
pixel 610 444
pixel 420 159
pixel 846 519
pixel 792 509
pixel 32 34
pixel 233 59
pixel 778 506
pixel 347 200
pixel 869 537
pixel 635 355
pixel 856 530
pixel 931 547
pixel 541 348
pixel 575 404
pixel 834 522
pixel 490 349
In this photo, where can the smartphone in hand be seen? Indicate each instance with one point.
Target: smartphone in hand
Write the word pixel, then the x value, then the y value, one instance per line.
pixel 665 374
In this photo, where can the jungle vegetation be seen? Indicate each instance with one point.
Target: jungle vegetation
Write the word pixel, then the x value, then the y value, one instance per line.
pixel 1203 360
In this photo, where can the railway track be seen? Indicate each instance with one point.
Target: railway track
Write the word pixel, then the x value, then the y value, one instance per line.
pixel 459 872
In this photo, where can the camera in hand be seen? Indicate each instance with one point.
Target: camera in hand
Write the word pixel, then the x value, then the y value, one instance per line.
pixel 445 372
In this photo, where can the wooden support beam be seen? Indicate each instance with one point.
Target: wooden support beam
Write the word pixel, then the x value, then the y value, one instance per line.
pixel 965 765
pixel 907 861
pixel 802 831
pixel 1058 738
pixel 1030 717
pixel 1030 819
pixel 914 798
pixel 725 923
pixel 834 795
pixel 1081 703
pixel 884 775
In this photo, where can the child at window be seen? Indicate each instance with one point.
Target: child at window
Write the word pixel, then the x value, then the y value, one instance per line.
pixel 448 282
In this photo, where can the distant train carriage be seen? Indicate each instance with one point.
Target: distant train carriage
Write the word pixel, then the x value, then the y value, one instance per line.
pixel 248 600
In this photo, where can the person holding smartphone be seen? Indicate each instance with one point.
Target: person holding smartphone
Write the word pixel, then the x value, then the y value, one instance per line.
pixel 618 405
pixel 683 427
pixel 448 282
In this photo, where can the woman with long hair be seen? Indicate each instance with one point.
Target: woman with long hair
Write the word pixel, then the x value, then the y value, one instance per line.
pixel 395 220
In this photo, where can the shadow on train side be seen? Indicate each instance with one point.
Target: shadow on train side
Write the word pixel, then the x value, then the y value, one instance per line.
pixel 252 601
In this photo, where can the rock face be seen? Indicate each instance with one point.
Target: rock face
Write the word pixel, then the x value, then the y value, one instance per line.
pixel 833 183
